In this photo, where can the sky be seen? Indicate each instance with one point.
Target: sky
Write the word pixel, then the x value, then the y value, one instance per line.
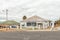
pixel 48 9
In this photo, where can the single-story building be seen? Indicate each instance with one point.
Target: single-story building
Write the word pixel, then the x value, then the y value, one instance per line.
pixel 9 24
pixel 35 21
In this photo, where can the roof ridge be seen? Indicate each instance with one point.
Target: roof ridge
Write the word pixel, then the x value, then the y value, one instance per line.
pixel 35 18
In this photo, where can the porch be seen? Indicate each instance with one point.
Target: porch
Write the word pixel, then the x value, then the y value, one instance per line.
pixel 39 25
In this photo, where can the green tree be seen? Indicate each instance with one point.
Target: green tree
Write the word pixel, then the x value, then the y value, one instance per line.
pixel 24 17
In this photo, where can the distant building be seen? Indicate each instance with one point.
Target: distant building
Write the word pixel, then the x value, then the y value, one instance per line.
pixel 9 24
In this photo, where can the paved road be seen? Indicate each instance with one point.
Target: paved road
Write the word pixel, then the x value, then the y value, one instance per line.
pixel 29 35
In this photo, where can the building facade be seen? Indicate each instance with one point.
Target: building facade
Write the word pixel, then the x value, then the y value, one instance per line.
pixel 35 21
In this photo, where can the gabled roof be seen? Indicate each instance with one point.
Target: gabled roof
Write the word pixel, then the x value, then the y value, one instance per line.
pixel 35 19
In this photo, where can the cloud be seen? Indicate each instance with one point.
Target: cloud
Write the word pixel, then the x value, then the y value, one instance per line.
pixel 49 9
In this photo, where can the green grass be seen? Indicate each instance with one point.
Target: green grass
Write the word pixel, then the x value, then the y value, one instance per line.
pixel 35 28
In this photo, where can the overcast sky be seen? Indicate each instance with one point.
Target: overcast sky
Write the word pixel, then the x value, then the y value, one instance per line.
pixel 48 9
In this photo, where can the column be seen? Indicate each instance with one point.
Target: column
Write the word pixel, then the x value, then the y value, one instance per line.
pixel 43 25
pixel 20 26
pixel 10 27
pixel 52 26
pixel 33 28
pixel 17 27
pixel 25 24
pixel 37 25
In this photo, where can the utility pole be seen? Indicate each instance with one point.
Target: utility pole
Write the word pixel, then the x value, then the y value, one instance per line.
pixel 6 14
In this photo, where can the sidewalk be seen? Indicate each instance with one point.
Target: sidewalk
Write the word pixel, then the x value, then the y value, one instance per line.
pixel 13 30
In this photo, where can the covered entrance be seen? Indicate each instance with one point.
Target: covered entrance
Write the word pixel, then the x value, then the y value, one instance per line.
pixel 40 25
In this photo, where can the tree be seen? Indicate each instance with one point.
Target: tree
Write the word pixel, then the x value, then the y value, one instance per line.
pixel 57 22
pixel 24 17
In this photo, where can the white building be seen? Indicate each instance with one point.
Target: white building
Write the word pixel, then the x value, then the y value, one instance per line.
pixel 35 21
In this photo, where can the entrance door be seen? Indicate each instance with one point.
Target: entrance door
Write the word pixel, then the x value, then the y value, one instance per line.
pixel 40 25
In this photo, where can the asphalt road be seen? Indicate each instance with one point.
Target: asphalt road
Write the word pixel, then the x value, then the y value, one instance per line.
pixel 29 35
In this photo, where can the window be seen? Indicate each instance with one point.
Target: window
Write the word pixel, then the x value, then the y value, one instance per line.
pixel 28 24
pixel 13 26
pixel 33 23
